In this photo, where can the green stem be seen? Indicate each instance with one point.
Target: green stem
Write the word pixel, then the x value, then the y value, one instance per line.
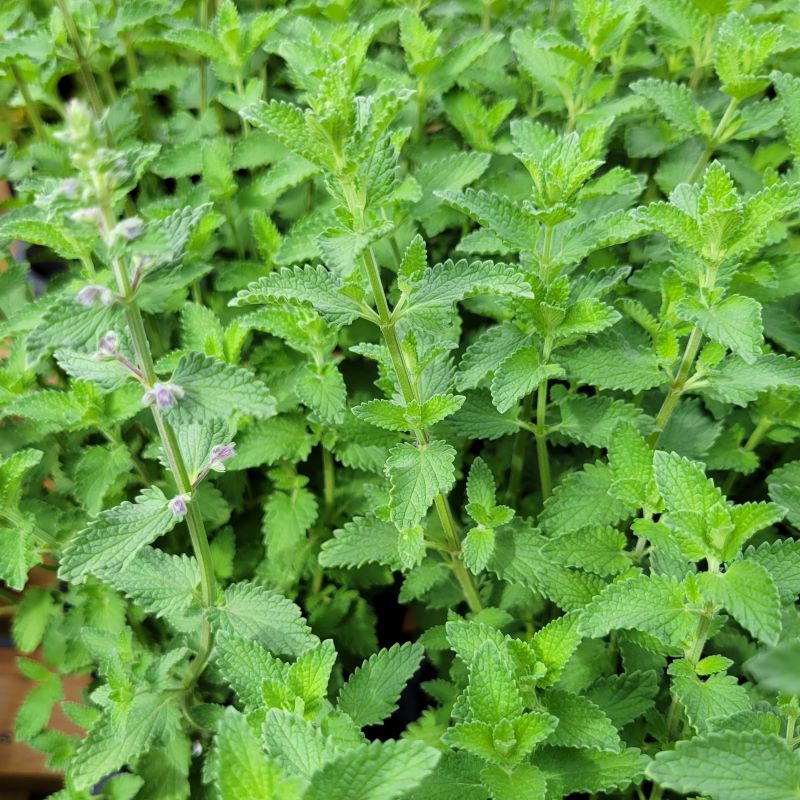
pixel 169 441
pixel 30 106
pixel 328 481
pixel 486 16
pixel 714 141
pixel 203 61
pixel 20 522
pixel 240 95
pixel 409 393
pixel 518 452
pixel 693 655
pixel 674 394
pixel 543 459
pixel 83 64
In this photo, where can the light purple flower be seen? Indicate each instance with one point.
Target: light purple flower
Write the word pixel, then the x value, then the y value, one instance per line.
pixel 70 186
pixel 164 395
pixel 90 215
pixel 90 295
pixel 178 505
pixel 220 453
pixel 130 228
pixel 109 344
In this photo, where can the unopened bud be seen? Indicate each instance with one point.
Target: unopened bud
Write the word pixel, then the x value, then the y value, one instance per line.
pixel 89 216
pixel 178 505
pixel 164 395
pixel 220 453
pixel 70 187
pixel 130 228
pixel 90 295
pixel 109 344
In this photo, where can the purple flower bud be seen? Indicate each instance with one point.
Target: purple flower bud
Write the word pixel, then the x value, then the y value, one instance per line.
pixel 220 453
pixel 178 505
pixel 130 228
pixel 164 395
pixel 90 295
pixel 109 344
pixel 70 187
pixel 91 215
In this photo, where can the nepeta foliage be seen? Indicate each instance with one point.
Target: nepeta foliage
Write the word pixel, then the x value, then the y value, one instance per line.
pixel 378 343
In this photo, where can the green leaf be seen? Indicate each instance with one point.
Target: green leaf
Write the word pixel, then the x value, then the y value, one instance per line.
pixel 316 286
pixel 582 499
pixel 295 744
pixel 371 693
pixel 113 539
pixel 492 347
pixel 652 604
pixel 572 771
pixel 13 470
pixel 602 551
pixel 245 666
pixel 777 669
pixel 517 230
pixel 443 285
pixel 784 489
pixel 478 548
pixel 268 441
pixel 198 41
pixel 623 698
pixel 378 771
pixel 163 585
pixel 788 87
pixel 581 723
pixel 735 381
pixel 211 389
pixel 614 362
pixel 261 615
pixel 493 695
pixel 781 559
pixel 735 323
pixel 242 767
pixel 749 594
pixel 115 740
pixel 730 766
pixel 719 695
pixel 524 781
pixel 96 472
pixel 519 375
pixel 384 414
pixel 323 390
pixel 591 420
pixel 416 475
pixel 363 540
pixel 673 100
pixel 30 620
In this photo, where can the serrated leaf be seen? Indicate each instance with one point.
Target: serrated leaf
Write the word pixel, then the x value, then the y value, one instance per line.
pixel 416 475
pixel 734 323
pixel 378 771
pixel 263 616
pixel 114 538
pixel 371 693
pixel 519 375
pixel 730 766
pixel 652 604
pixel 749 594
pixel 212 388
pixel 581 724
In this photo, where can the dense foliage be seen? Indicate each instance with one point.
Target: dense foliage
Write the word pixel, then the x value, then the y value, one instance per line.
pixel 449 346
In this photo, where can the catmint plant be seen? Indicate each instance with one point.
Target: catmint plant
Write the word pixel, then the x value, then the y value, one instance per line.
pixel 404 402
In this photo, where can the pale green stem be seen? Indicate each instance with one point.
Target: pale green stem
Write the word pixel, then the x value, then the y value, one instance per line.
pixel 713 142
pixel 30 107
pixel 83 64
pixel 409 393
pixel 169 441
